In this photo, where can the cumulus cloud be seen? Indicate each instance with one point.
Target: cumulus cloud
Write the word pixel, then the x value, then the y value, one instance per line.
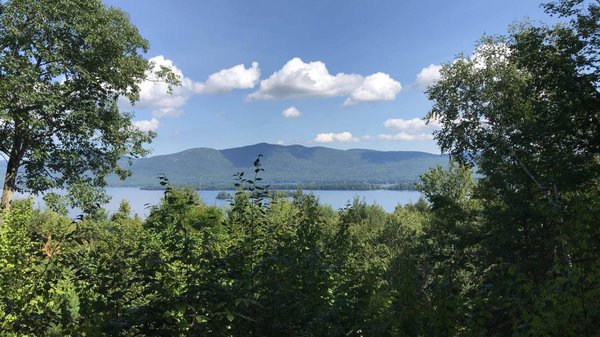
pixel 146 125
pixel 154 94
pixel 342 137
pixel 291 112
pixel 410 129
pixel 376 87
pixel 237 77
pixel 404 136
pixel 410 124
pixel 297 79
pixel 428 76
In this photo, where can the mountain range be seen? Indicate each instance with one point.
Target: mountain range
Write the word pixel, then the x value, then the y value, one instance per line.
pixel 283 165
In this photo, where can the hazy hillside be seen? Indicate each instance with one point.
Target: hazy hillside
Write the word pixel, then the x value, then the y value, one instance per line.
pixel 283 164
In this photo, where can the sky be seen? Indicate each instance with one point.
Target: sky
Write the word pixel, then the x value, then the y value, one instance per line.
pixel 336 73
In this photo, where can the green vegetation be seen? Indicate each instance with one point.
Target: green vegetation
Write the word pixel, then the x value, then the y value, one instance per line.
pixel 515 253
pixel 321 186
pixel 275 195
pixel 63 66
pixel 277 267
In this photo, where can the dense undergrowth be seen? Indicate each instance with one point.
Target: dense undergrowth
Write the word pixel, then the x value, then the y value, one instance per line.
pixel 275 267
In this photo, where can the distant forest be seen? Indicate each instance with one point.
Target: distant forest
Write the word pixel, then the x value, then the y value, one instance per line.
pixel 331 186
pixel 289 167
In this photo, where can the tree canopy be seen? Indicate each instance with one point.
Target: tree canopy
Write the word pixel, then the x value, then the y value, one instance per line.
pixel 524 110
pixel 63 67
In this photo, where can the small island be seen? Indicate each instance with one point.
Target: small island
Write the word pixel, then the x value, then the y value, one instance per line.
pixel 225 195
pixel 222 195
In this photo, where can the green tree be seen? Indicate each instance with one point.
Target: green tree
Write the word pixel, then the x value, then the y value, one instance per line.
pixel 448 248
pixel 63 66
pixel 524 110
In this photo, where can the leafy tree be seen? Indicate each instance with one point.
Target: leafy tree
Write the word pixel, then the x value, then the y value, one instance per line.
pixel 63 66
pixel 359 265
pixel 448 248
pixel 406 276
pixel 524 110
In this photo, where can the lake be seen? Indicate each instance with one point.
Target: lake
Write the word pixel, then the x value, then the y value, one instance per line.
pixel 139 199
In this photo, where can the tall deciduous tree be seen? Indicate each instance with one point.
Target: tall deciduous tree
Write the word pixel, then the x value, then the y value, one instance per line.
pixel 525 110
pixel 63 66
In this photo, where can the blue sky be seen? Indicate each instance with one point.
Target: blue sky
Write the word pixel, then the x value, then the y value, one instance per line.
pixel 348 74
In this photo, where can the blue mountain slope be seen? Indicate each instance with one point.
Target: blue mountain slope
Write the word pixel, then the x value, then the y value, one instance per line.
pixel 283 164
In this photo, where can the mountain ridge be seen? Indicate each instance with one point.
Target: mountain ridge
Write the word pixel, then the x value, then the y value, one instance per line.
pixel 284 164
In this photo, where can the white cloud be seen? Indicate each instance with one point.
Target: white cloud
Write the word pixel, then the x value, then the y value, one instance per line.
pixel 404 136
pixel 291 112
pixel 342 137
pixel 428 76
pixel 412 129
pixel 376 87
pixel 154 94
pixel 297 79
pixel 280 142
pixel 237 77
pixel 486 54
pixel 146 125
pixel 410 124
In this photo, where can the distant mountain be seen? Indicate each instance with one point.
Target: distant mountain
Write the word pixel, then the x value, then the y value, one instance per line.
pixel 293 164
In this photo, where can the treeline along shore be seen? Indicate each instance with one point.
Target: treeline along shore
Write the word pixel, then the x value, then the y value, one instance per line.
pixel 326 186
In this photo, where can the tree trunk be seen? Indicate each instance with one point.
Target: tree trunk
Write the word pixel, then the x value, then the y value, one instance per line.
pixel 10 182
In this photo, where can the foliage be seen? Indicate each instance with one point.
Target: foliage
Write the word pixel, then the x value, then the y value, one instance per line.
pixel 515 253
pixel 524 110
pixel 63 67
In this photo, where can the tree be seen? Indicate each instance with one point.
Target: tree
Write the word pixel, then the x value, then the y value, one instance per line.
pixel 524 109
pixel 448 248
pixel 527 103
pixel 63 67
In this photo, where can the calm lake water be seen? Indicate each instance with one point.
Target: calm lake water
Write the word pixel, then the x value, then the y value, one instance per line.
pixel 139 199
